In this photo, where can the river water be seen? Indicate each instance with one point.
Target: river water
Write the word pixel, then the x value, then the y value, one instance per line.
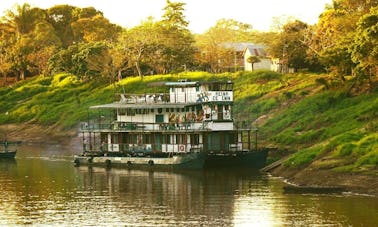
pixel 42 187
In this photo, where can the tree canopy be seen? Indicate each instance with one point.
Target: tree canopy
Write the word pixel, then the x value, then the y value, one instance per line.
pixel 70 39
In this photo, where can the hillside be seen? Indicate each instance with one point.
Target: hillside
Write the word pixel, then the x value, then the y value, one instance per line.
pixel 316 119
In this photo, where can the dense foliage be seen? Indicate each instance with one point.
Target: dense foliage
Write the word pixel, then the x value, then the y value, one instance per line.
pixel 69 39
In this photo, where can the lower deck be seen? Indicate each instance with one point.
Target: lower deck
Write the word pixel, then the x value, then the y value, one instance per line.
pixel 132 143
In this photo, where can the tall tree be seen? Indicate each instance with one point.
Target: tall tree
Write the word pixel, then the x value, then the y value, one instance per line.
pixel 22 19
pixel 335 31
pixel 7 40
pixel 96 28
pixel 61 17
pixel 176 38
pixel 140 45
pixel 365 46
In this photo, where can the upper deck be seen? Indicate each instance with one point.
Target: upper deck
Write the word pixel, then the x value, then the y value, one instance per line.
pixel 181 94
pixel 187 103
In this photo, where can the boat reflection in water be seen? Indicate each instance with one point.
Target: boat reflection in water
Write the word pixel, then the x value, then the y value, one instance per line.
pixel 179 198
pixel 41 190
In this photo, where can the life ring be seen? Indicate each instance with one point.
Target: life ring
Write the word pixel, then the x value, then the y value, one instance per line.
pixel 182 148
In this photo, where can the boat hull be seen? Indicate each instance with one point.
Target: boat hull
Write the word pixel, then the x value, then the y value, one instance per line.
pixel 7 154
pixel 254 160
pixel 182 161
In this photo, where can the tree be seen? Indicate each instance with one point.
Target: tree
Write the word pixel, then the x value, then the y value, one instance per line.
pixel 43 42
pixel 291 47
pixel 7 40
pixel 22 20
pixel 140 44
pixel 86 60
pixel 175 39
pixel 94 29
pixel 252 60
pixel 335 31
pixel 364 50
pixel 61 17
pixel 213 51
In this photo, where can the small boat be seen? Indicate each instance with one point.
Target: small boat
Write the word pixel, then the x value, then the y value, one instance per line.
pixel 191 126
pixel 312 189
pixel 7 152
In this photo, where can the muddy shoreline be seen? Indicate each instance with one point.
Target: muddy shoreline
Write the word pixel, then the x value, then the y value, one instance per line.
pixel 365 184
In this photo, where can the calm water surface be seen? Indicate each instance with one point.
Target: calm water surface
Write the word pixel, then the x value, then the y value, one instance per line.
pixel 42 187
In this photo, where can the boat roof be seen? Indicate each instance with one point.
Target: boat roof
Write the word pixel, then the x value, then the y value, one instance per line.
pixel 182 84
pixel 185 83
pixel 118 105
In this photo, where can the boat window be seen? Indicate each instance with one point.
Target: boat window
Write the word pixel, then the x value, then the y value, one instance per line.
pixel 194 139
pixel 167 139
pixel 121 111
pixel 233 138
pixel 167 110
pixel 160 110
pixel 181 139
pixel 146 139
pixel 130 112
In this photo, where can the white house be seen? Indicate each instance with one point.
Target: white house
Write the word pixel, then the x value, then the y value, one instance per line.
pixel 258 51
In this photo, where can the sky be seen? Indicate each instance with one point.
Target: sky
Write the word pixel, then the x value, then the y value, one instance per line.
pixel 201 14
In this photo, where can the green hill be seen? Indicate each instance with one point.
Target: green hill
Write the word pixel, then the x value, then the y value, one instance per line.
pixel 320 123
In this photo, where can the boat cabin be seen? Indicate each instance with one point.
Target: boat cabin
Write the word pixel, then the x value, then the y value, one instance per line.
pixel 191 117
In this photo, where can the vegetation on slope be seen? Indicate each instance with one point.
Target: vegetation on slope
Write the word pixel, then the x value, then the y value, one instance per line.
pixel 330 126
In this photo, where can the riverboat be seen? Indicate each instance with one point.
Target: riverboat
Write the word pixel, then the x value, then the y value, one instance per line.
pixel 191 126
pixel 6 152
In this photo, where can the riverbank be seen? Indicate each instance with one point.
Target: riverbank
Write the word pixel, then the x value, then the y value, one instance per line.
pixel 366 184
pixel 32 133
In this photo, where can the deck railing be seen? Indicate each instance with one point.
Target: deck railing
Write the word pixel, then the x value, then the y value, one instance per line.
pixel 134 149
pixel 183 126
pixel 143 98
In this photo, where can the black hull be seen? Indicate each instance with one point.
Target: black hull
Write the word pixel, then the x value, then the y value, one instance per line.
pixel 7 154
pixel 255 160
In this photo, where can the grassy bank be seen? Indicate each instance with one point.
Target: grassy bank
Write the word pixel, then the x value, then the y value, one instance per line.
pixel 322 124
